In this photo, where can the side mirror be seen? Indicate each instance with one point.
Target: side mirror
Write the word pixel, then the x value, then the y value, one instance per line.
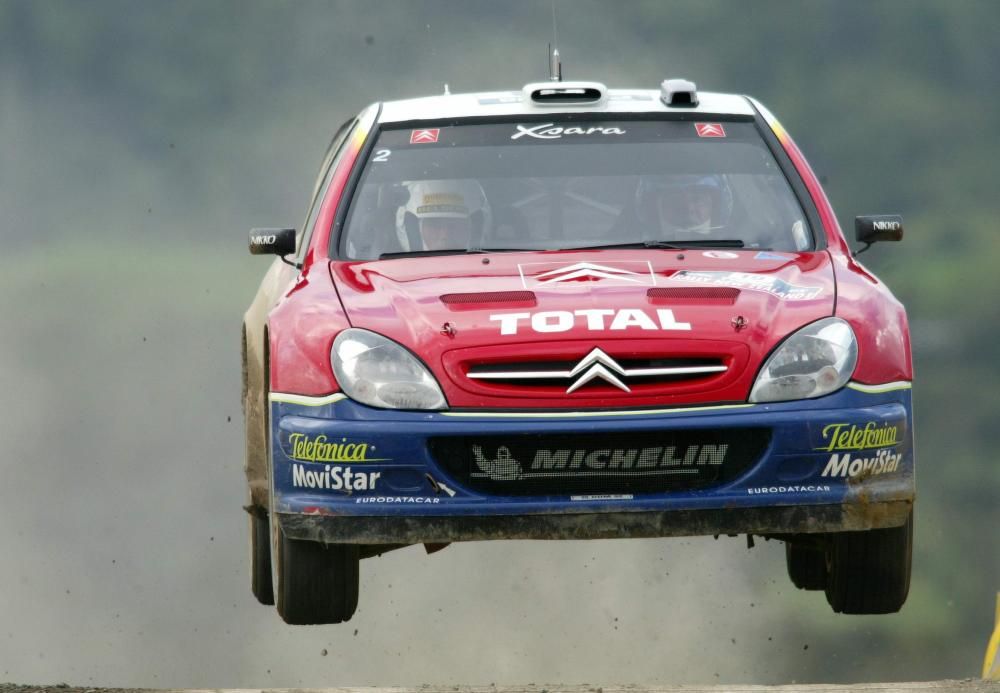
pixel 272 241
pixel 878 227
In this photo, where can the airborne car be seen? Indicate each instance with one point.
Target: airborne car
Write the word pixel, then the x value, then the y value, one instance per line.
pixel 573 312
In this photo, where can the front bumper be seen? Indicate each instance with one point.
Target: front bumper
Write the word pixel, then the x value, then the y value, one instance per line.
pixel 346 473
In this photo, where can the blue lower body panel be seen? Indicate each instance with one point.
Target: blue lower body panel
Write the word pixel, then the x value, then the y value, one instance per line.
pixel 347 473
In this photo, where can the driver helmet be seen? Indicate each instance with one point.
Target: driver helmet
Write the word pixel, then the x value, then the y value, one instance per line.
pixel 687 204
pixel 443 215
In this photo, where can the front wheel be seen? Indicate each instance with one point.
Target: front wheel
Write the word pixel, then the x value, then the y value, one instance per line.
pixel 869 572
pixel 315 583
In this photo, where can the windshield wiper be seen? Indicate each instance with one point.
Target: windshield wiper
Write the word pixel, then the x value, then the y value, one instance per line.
pixel 670 245
pixel 711 243
pixel 452 251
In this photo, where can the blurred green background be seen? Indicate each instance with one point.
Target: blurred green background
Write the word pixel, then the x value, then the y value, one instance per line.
pixel 140 142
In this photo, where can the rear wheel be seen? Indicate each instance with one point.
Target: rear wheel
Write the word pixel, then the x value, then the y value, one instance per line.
pixel 806 566
pixel 316 583
pixel 869 572
pixel 260 558
pixel 254 440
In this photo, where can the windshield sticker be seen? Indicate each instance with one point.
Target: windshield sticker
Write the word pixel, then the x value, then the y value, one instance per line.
pixel 753 282
pixel 710 129
pixel 720 255
pixel 763 255
pixel 424 136
pixel 551 131
pixel 623 273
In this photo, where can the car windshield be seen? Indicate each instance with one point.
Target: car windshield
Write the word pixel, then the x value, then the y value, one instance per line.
pixel 556 185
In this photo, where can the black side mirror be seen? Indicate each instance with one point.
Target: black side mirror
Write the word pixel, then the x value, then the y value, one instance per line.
pixel 272 241
pixel 878 227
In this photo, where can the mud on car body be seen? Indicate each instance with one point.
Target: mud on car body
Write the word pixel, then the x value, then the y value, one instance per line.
pixel 570 312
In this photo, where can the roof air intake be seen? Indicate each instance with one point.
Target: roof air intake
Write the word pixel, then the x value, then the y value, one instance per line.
pixel 565 93
pixel 679 92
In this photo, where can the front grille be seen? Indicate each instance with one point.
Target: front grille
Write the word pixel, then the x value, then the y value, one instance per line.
pixel 636 371
pixel 627 462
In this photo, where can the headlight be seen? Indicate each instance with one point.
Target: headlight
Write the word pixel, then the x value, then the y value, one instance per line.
pixel 815 361
pixel 374 370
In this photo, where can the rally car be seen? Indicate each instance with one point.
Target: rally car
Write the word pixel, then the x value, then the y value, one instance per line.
pixel 573 312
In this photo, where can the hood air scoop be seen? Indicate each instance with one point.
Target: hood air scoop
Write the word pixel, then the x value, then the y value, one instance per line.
pixel 490 297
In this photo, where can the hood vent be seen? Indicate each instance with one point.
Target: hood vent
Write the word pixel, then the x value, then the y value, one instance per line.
pixel 717 295
pixel 476 299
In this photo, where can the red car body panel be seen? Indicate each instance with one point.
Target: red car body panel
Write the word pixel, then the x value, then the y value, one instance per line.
pixel 302 328
pixel 879 322
pixel 878 318
pixel 401 299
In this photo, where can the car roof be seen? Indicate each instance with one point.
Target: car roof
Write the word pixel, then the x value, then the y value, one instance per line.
pixel 514 103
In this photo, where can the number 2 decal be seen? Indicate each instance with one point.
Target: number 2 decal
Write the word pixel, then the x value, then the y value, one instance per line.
pixel 382 155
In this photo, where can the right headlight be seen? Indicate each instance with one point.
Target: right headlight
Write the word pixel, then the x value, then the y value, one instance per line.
pixel 377 371
pixel 815 361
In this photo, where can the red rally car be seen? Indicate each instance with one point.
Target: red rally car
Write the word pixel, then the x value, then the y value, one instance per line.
pixel 573 312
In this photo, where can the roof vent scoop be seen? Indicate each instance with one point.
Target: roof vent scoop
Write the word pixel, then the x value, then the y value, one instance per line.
pixel 565 93
pixel 679 92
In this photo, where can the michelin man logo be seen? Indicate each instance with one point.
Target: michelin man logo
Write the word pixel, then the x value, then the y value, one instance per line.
pixel 501 468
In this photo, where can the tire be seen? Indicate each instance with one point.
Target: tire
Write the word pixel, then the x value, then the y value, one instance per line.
pixel 260 559
pixel 869 572
pixel 806 566
pixel 316 583
pixel 260 540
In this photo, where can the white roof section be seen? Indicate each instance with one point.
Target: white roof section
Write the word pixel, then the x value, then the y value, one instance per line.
pixel 513 103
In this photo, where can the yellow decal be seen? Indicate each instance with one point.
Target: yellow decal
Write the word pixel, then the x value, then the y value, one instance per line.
pixel 842 436
pixel 305 400
pixel 879 389
pixel 443 199
pixel 991 665
pixel 317 449
pixel 443 203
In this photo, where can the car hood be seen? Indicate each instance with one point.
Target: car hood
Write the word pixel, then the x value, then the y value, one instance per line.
pixel 459 312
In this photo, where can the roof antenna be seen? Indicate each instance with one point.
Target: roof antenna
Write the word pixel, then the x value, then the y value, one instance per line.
pixel 555 64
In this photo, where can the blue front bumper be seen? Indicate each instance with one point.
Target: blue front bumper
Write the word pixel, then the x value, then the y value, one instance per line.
pixel 344 472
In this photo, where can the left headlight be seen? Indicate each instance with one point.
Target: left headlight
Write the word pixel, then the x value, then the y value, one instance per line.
pixel 815 361
pixel 377 371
